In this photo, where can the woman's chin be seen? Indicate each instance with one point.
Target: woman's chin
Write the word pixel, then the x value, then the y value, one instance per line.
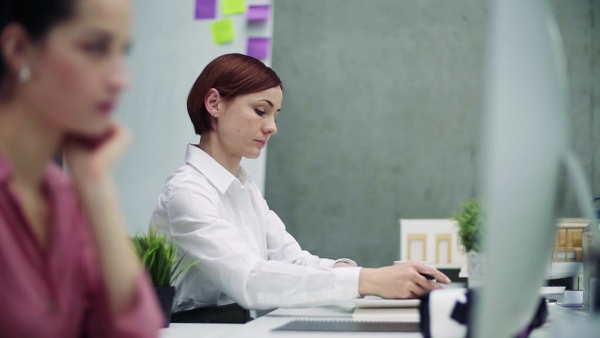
pixel 90 138
pixel 96 131
pixel 253 155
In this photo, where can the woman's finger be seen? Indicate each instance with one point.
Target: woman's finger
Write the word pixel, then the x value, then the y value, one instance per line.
pixel 417 290
pixel 430 270
pixel 117 143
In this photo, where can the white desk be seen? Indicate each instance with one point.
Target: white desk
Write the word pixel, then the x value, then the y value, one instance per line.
pixel 263 326
pixel 176 330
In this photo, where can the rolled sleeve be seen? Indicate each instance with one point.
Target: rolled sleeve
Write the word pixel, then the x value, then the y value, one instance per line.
pixel 144 317
pixel 346 260
pixel 346 279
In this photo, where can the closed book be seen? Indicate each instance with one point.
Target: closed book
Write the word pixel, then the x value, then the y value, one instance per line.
pixel 386 314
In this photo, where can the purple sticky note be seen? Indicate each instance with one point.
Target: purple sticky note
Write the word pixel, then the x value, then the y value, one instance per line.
pixel 258 47
pixel 206 9
pixel 258 12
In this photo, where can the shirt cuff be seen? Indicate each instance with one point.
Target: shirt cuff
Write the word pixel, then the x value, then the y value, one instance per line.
pixel 346 260
pixel 346 280
pixel 144 317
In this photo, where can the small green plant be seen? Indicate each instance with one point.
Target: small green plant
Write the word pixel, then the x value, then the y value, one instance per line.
pixel 469 225
pixel 159 257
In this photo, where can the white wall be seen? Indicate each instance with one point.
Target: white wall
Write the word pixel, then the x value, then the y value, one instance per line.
pixel 170 49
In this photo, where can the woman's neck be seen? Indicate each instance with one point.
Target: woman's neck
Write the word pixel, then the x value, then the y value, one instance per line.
pixel 215 149
pixel 27 142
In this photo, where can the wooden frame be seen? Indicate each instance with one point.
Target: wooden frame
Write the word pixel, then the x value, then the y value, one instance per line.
pixel 438 239
pixel 426 231
pixel 416 237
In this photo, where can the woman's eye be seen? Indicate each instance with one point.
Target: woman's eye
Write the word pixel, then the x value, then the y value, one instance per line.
pixel 259 112
pixel 126 49
pixel 96 49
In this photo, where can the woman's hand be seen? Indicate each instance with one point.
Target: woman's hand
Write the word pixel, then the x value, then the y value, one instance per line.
pixel 92 159
pixel 404 280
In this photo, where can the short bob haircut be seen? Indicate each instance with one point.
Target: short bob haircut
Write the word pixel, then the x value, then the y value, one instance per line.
pixel 231 75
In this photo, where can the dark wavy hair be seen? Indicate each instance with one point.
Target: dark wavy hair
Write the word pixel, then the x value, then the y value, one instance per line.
pixel 231 75
pixel 37 17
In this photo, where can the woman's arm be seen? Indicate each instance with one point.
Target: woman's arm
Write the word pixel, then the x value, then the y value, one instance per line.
pixel 90 167
pixel 397 281
pixel 229 263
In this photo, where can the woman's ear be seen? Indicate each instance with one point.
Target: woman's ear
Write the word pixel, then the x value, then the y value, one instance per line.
pixel 15 47
pixel 212 101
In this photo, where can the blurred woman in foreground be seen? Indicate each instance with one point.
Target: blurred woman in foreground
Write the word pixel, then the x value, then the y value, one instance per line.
pixel 68 268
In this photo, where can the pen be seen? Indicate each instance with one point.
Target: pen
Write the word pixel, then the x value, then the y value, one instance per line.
pixel 428 276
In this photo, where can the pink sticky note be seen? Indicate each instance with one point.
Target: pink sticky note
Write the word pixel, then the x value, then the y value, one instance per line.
pixel 206 9
pixel 259 47
pixel 258 12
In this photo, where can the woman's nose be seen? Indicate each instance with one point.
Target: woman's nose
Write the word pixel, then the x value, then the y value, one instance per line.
pixel 271 127
pixel 120 78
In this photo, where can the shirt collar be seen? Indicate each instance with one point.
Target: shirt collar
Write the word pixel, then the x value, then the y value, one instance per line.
pixel 215 172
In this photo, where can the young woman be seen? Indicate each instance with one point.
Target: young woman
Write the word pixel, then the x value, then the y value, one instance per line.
pixel 214 212
pixel 67 265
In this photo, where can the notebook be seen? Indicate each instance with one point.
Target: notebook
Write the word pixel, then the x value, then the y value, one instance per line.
pixel 378 302
pixel 387 314
pixel 371 314
pixel 348 325
pixel 375 308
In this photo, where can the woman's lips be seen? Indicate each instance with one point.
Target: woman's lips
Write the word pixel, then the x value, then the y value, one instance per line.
pixel 262 143
pixel 105 108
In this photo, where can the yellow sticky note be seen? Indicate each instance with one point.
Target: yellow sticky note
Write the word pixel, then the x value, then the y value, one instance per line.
pixel 230 7
pixel 222 31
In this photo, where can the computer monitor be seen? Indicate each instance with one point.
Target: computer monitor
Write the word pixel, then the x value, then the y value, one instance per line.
pixel 525 153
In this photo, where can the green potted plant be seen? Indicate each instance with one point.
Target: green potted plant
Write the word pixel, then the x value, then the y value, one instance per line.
pixel 159 256
pixel 469 221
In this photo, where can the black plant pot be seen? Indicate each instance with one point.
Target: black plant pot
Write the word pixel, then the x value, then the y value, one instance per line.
pixel 165 297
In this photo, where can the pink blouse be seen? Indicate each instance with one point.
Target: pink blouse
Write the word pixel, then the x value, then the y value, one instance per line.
pixel 59 291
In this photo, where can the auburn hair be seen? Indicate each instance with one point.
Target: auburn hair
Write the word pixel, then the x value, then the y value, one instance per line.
pixel 231 75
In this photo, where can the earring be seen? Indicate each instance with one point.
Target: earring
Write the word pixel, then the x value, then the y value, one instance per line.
pixel 216 115
pixel 24 74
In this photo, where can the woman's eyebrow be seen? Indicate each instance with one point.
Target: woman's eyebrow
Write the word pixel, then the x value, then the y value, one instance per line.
pixel 267 101
pixel 98 31
pixel 106 34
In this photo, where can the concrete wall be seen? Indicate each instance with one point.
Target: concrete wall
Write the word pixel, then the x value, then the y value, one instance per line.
pixel 382 111
pixel 595 64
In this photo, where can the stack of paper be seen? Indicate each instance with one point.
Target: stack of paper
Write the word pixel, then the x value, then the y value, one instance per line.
pixel 373 308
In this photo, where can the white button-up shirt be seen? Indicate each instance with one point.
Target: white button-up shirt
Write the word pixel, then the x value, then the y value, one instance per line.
pixel 246 255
